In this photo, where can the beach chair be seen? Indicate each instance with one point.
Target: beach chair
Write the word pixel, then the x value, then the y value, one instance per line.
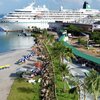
pixel 1 67
pixel 27 57
pixel 32 53
pixel 20 61
pixel 24 58
pixel 5 66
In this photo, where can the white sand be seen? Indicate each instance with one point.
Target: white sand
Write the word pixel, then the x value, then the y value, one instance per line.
pixel 6 80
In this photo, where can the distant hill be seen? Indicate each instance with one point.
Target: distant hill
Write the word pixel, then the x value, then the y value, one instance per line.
pixel 1 15
pixel 1 30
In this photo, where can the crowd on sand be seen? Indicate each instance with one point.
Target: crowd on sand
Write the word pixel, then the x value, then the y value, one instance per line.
pixel 42 69
pixel 47 84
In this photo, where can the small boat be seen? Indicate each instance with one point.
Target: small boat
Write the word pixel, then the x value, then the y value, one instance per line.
pixel 24 33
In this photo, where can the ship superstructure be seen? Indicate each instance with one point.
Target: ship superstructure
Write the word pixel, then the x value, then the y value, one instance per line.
pixel 41 17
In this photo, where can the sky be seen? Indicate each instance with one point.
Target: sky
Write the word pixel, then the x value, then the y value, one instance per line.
pixel 7 6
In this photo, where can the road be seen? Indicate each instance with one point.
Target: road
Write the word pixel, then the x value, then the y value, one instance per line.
pixel 7 76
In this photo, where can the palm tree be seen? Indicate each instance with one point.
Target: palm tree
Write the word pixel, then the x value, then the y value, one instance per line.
pixel 92 81
pixel 47 40
pixel 60 51
pixel 56 50
pixel 65 71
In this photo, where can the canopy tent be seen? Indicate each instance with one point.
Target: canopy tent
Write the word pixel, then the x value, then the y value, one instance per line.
pixel 79 53
pixel 38 64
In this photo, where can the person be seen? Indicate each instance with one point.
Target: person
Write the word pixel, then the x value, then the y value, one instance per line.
pixel 83 65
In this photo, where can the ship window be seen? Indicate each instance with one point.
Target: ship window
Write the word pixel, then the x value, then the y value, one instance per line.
pixel 32 27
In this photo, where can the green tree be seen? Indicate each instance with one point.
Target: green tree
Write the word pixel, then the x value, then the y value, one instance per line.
pixel 60 51
pixel 95 36
pixel 92 81
pixel 56 52
pixel 73 28
pixel 82 41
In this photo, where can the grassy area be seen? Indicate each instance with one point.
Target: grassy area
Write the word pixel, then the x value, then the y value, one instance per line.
pixel 22 90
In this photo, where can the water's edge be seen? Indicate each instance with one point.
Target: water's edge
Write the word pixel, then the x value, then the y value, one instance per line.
pixel 12 42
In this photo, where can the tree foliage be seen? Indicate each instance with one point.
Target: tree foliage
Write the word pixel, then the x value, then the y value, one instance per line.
pixel 82 41
pixel 73 28
pixel 92 82
pixel 61 51
pixel 56 52
pixel 95 36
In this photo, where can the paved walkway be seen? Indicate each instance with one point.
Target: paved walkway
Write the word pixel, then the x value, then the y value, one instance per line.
pixel 79 72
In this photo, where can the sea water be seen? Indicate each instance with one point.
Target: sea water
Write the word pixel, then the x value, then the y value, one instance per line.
pixel 11 41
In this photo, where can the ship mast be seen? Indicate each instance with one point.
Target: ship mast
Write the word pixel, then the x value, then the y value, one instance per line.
pixel 32 3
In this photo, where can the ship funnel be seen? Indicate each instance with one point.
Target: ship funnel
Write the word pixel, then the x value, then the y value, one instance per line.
pixel 86 5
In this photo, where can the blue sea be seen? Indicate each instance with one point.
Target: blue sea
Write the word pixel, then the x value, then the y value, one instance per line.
pixel 11 41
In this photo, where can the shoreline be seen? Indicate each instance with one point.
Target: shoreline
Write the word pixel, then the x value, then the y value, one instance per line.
pixel 13 50
pixel 7 76
pixel 9 42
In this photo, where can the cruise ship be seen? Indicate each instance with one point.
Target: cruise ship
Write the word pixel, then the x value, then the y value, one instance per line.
pixel 41 17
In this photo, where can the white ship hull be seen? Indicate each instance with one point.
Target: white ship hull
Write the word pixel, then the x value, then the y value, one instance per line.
pixel 41 17
pixel 13 26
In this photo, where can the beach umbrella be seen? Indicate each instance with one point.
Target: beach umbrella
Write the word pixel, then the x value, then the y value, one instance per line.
pixel 38 64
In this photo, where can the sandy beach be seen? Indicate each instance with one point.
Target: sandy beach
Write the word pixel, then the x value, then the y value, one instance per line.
pixel 7 75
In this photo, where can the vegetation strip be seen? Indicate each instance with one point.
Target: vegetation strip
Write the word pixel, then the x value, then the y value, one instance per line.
pixel 22 90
